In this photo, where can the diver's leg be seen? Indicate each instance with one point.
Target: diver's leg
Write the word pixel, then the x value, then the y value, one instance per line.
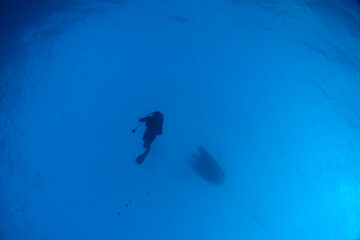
pixel 148 140
pixel 146 135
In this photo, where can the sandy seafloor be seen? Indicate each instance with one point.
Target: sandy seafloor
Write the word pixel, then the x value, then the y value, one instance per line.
pixel 269 88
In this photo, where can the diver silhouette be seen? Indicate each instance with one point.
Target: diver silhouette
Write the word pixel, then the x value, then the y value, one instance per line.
pixel 153 123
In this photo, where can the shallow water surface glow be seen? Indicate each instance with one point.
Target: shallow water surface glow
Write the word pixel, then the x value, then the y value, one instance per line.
pixel 269 88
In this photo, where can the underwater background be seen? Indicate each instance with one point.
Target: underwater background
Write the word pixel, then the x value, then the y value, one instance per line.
pixel 270 88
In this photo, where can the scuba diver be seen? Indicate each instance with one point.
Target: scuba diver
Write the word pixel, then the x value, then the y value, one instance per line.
pixel 153 123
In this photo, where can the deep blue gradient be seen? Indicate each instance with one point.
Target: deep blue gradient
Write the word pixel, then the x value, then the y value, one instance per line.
pixel 269 88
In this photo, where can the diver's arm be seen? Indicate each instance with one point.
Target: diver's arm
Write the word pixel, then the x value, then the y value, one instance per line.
pixel 144 119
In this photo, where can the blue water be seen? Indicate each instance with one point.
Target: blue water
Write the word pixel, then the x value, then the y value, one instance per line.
pixel 269 88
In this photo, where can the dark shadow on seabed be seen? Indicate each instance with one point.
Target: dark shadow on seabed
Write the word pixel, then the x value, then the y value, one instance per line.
pixel 207 168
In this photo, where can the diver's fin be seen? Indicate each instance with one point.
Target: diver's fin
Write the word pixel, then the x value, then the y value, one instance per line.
pixel 140 159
